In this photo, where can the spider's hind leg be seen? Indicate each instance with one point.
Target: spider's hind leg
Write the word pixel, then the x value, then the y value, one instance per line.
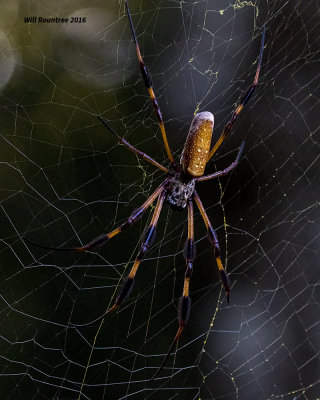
pixel 242 103
pixel 148 83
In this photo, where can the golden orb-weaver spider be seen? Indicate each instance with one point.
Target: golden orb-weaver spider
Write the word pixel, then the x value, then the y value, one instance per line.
pixel 178 190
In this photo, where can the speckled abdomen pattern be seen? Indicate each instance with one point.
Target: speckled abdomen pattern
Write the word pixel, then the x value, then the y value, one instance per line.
pixel 196 149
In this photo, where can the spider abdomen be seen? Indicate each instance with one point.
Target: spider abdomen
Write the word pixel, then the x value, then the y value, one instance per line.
pixel 195 153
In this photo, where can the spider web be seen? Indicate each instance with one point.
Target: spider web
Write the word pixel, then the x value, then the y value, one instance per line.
pixel 64 180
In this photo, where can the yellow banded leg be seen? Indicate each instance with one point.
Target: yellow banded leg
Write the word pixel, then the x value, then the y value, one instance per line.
pixel 214 242
pixel 147 80
pixel 103 239
pixel 184 301
pixel 128 283
pixel 135 216
pixel 243 102
pixel 147 241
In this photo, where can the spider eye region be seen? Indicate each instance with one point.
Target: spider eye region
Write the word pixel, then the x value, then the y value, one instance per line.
pixel 195 153
pixel 179 192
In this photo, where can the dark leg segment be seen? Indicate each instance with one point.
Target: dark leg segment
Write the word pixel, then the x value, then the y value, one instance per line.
pixel 148 83
pixel 243 102
pixel 185 300
pixel 103 239
pixel 128 283
pixel 226 170
pixel 139 153
pixel 214 241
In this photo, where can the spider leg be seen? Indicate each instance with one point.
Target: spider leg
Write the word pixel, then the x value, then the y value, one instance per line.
pixel 185 300
pixel 243 102
pixel 212 236
pixel 226 170
pixel 139 153
pixel 127 286
pixel 148 83
pixel 103 239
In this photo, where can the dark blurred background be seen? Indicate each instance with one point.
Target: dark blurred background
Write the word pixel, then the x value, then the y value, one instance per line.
pixel 64 180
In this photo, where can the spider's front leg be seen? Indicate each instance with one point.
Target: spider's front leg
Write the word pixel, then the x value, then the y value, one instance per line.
pixel 214 241
pixel 127 286
pixel 105 237
pixel 184 307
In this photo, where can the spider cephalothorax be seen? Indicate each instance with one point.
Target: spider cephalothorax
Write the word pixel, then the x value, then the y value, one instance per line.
pixel 178 189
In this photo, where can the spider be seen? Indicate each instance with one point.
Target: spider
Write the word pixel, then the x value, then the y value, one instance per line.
pixel 177 190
